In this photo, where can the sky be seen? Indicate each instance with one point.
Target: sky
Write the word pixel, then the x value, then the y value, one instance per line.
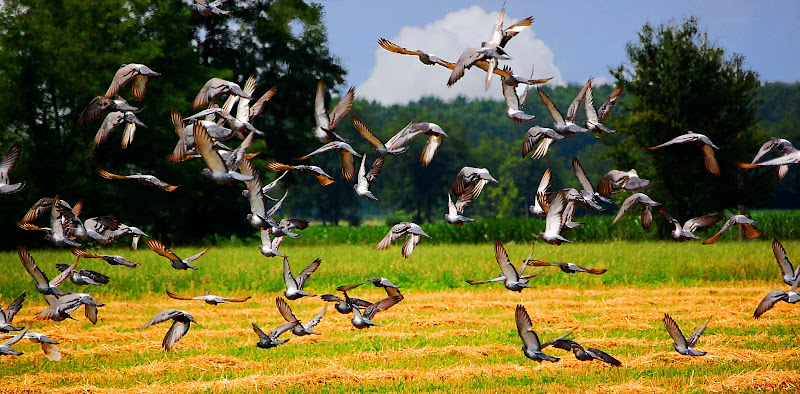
pixel 569 40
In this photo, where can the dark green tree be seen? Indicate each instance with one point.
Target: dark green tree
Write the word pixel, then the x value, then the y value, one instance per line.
pixel 677 81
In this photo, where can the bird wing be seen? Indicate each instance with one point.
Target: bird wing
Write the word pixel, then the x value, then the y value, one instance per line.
pixel 243 109
pixel 320 115
pixel 551 107
pixel 591 112
pixel 375 170
pixel 236 299
pixel 161 249
pixel 546 182
pixel 303 277
pixel 525 329
pixel 261 334
pixel 316 319
pixel 465 61
pixel 675 332
pixel 94 110
pixel 274 209
pixel 692 340
pixel 161 317
pixel 195 257
pixel 15 338
pixel 123 75
pixel 333 145
pixel 288 279
pixel 330 298
pixel 205 147
pixel 172 295
pixel 387 240
pixel 14 307
pixel 699 222
pixel 515 29
pixel 608 105
pixel 342 108
pixel 504 262
pixel 572 111
pixel 769 301
pixel 721 230
pixel 206 93
pixel 603 356
pixel 348 166
pixel 31 267
pixel 554 219
pixel 751 231
pixel 64 275
pixel 392 47
pixel 627 205
pixel 256 108
pixel 112 120
pixel 176 332
pixel 430 149
pixel 380 306
pixel 366 133
pixel 255 196
pixel 139 86
pixel 580 173
pixel 710 160
pixel 275 333
pixel 408 246
pixel 285 310
pixel 783 260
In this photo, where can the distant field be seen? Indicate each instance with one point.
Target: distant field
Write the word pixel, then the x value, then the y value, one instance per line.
pixel 446 334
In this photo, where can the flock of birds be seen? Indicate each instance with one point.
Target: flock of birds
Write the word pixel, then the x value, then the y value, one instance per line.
pixel 203 135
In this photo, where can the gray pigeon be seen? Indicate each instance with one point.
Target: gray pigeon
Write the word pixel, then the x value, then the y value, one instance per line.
pixel 364 320
pixel 587 354
pixel 345 305
pixel 177 262
pixel 569 268
pixel 84 277
pixel 750 230
pixel 61 308
pixel 209 298
pixel 414 232
pixel 790 274
pixel 48 345
pixel 620 181
pixel 531 347
pixel 686 232
pixel 111 259
pixel 138 73
pixel 215 87
pixel 181 321
pixel 43 285
pixel 647 208
pixel 269 341
pixel 294 286
pixel 681 344
pixel 512 280
pixel 300 329
pixel 7 316
pixel 772 298
pixel 700 140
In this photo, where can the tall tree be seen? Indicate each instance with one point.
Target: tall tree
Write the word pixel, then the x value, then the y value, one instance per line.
pixel 679 81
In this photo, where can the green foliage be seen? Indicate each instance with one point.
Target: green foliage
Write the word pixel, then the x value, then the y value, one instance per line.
pixel 679 81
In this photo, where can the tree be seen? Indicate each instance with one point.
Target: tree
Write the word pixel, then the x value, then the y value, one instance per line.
pixel 678 81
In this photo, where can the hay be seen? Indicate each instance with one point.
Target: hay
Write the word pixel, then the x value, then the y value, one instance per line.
pixel 760 380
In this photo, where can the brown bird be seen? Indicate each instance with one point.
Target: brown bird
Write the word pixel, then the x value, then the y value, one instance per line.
pixel 138 73
pixel 750 230
pixel 700 140
pixel 323 178
pixel 144 179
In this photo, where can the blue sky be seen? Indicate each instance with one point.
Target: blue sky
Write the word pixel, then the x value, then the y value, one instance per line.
pixel 570 39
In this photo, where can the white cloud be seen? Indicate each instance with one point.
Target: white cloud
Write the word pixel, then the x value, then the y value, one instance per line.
pixel 399 79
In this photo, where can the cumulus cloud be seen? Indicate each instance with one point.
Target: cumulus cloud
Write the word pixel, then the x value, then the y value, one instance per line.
pixel 399 79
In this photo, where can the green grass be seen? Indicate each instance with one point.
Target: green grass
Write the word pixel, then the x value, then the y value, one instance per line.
pixel 445 336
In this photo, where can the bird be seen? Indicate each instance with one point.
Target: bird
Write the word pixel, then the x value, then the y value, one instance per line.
pixel 84 277
pixel 616 181
pixel 789 274
pixel 217 170
pixel 554 221
pixel 255 196
pixel 647 208
pixel 700 140
pixel 138 73
pixel 686 232
pixel 7 164
pixel 376 281
pixel 792 297
pixel 514 102
pixel 5 347
pixel 593 122
pixel 347 151
pixel 541 138
pixel 365 179
pixel 143 179
pixel 398 143
pixel 300 329
pixel 110 258
pixel 587 354
pixel 426 58
pixel 269 341
pixel 490 51
pixel 177 262
pixel 314 171
pixel 361 321
pixel 206 8
pixel 399 230
pixel 471 180
pixel 569 268
pixel 245 113
pixel 545 184
pixel 7 316
pixel 345 305
pixel 61 308
pixel 43 285
pixel 181 322
pixel 100 105
pixel 587 192
pixel 326 122
pixel 750 230
pixel 564 125
pixel 681 344
pixel 269 247
pixel 117 118
pixel 48 345
pixel 60 223
pixel 789 155
pixel 531 347
pixel 512 279
pixel 294 286
pixel 215 87
pixel 209 298
pixel 186 146
pixel 455 212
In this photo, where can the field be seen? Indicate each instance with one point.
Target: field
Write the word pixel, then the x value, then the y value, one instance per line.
pixel 445 336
